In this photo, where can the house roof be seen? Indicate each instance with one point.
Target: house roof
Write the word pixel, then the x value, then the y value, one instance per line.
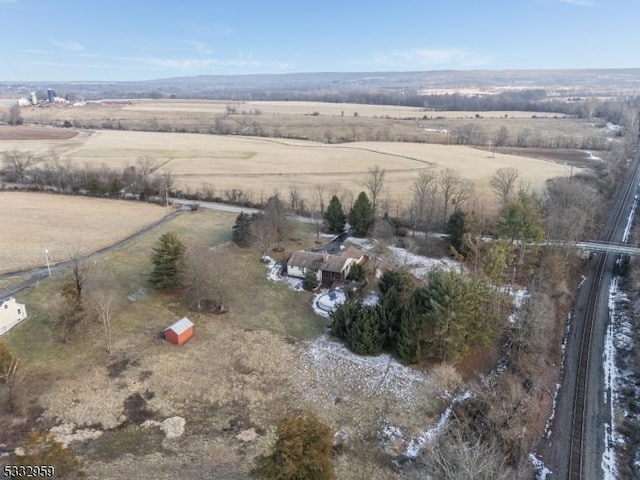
pixel 352 252
pixel 318 261
pixel 180 326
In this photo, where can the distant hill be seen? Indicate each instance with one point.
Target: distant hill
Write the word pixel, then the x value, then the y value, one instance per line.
pixel 321 85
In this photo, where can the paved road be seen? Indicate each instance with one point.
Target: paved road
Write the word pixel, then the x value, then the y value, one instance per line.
pixel 40 273
pixel 223 207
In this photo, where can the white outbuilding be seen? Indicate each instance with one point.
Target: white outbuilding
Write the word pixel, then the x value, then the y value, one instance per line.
pixel 11 313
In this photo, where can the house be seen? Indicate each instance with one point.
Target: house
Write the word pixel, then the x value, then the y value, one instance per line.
pixel 179 331
pixel 328 267
pixel 11 313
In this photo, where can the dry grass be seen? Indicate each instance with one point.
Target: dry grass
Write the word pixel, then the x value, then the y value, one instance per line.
pixel 261 166
pixel 33 222
pixel 35 133
pixel 242 370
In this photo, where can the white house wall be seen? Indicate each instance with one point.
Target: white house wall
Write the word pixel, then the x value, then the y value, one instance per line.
pixel 300 272
pixel 11 313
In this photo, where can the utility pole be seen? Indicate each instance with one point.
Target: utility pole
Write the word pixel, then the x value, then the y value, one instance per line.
pixel 46 255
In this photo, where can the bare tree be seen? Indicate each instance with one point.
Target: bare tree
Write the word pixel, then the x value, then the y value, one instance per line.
pixel 144 168
pixel 374 183
pixel 19 162
pixel 296 201
pixel 423 202
pixel 104 302
pixel 164 182
pixel 197 274
pixel 14 117
pixel 8 373
pixel 460 455
pixel 61 170
pixel 450 187
pixel 262 234
pixel 318 196
pixel 503 183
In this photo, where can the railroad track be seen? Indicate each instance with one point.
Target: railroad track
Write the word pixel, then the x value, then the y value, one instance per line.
pixel 580 412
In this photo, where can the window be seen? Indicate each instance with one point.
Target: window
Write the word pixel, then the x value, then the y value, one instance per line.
pixel 19 312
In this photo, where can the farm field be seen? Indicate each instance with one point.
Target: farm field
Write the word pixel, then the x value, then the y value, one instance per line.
pixel 61 223
pixel 231 382
pixel 316 121
pixel 261 166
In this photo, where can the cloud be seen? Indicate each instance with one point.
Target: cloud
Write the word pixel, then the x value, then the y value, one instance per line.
pixel 429 57
pixel 201 47
pixel 67 45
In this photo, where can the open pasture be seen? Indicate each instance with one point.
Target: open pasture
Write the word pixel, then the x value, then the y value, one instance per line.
pixel 261 166
pixel 33 222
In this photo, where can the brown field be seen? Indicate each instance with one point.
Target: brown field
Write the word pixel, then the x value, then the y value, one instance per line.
pixel 262 166
pixel 310 108
pixel 297 120
pixel 35 133
pixel 62 223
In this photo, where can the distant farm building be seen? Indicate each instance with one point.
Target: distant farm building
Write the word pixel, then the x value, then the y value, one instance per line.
pixel 329 268
pixel 11 313
pixel 179 332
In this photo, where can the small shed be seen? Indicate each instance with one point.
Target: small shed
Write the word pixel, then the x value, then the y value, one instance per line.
pixel 179 332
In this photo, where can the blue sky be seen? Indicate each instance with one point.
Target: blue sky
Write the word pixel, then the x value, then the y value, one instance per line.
pixel 140 39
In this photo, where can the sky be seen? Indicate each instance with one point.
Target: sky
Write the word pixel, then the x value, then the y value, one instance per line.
pixel 116 40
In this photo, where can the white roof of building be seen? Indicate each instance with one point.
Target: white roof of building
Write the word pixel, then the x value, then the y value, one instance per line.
pixel 180 326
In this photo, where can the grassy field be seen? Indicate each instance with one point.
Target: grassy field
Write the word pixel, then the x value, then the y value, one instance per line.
pixel 241 371
pixel 62 223
pixel 261 166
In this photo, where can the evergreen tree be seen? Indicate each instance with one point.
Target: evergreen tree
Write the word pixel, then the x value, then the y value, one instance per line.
pixel 165 258
pixel 342 317
pixel 365 333
pixel 520 220
pixel 395 287
pixel 456 229
pixel 241 230
pixel 334 217
pixel 303 450
pixel 407 344
pixel 310 281
pixel 361 216
pixel 357 273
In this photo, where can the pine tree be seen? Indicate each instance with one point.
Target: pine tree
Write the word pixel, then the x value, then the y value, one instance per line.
pixel 361 216
pixel 310 281
pixel 342 317
pixel 303 450
pixel 334 217
pixel 165 257
pixel 241 230
pixel 456 229
pixel 365 333
pixel 395 290
pixel 407 344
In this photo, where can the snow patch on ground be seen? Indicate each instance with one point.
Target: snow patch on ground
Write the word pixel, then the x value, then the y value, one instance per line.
pixel 539 468
pixel 519 298
pixel 627 229
pixel 67 433
pixel 591 156
pixel 420 265
pixel 274 273
pixel 436 130
pixel 331 366
pixel 326 301
pixel 416 444
pixel 367 244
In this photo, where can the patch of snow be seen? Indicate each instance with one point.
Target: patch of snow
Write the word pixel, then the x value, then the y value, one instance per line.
pixel 420 265
pixel 274 273
pixel 627 229
pixel 436 130
pixel 173 427
pixel 326 301
pixel 519 298
pixel 591 156
pixel 138 295
pixel 67 433
pixel 371 299
pixel 416 444
pixel 366 244
pixel 331 366
pixel 539 468
pixel 612 127
pixel 247 435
